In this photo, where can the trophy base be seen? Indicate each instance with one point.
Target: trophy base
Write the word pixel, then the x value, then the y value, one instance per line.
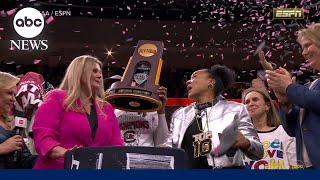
pixel 134 102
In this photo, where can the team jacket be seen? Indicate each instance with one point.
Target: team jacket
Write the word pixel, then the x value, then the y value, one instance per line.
pixel 142 129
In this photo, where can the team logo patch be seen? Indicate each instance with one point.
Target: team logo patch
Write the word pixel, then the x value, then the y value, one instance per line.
pixel 129 136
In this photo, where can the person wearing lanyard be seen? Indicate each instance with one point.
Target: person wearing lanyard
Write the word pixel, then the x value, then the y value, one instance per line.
pixel 215 133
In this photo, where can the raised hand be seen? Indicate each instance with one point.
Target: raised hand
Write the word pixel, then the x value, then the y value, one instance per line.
pixel 162 92
pixel 265 64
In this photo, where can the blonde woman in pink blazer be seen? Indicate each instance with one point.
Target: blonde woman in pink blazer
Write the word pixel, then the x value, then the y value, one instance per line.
pixel 75 115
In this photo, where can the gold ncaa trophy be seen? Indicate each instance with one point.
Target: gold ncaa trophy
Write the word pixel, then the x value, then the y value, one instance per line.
pixel 137 90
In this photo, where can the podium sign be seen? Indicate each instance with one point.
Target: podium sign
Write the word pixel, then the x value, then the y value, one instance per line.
pixel 137 90
pixel 126 157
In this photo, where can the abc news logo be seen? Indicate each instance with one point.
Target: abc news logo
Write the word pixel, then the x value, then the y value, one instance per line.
pixel 28 23
pixel 288 13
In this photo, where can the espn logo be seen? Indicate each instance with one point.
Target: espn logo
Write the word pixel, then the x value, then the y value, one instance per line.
pixel 288 13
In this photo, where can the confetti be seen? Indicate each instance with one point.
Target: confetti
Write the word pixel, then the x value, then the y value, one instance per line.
pixel 12 11
pixel 49 20
pixel 36 61
pixel 129 39
pixel 10 62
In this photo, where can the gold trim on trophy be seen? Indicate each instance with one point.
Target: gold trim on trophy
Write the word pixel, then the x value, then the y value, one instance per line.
pixel 156 82
pixel 126 70
pixel 147 50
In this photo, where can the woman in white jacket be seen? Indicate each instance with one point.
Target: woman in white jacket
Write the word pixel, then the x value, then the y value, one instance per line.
pixel 214 133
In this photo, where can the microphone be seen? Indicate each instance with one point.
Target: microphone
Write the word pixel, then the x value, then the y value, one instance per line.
pixel 20 123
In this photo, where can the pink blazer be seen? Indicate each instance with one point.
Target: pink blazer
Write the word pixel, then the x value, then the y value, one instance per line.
pixel 54 126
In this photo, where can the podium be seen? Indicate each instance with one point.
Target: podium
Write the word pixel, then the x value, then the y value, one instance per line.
pixel 126 157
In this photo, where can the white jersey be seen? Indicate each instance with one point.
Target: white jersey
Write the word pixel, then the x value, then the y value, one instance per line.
pixel 279 151
pixel 142 129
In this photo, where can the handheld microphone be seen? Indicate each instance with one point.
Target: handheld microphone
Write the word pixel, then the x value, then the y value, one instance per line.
pixel 20 124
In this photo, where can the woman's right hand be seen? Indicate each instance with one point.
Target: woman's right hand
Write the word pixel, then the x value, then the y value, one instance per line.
pixel 59 152
pixel 12 144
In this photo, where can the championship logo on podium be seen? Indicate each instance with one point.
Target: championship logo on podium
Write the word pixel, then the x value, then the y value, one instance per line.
pixel 137 90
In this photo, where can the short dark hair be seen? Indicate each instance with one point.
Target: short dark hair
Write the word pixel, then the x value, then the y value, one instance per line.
pixel 223 76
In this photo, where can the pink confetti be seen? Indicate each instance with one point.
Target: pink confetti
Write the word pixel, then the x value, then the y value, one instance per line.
pixel 269 54
pixel 261 18
pixel 12 11
pixel 280 47
pixel 306 10
pixel 49 20
pixel 2 12
pixel 1 29
pixel 190 38
pixel 36 61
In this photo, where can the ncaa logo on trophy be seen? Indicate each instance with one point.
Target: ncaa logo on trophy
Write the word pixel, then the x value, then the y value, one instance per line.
pixel 137 90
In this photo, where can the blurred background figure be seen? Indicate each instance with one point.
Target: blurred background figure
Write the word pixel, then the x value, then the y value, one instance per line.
pixel 279 147
pixel 75 115
pixel 13 151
